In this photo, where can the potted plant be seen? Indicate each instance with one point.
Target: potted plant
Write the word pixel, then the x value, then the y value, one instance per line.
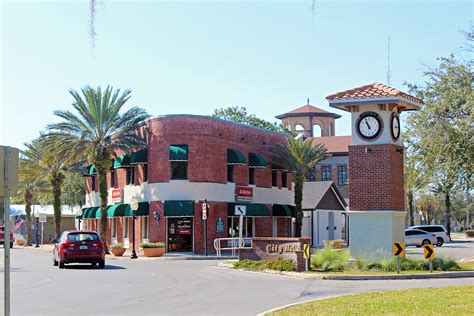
pixel 21 242
pixel 153 249
pixel 117 249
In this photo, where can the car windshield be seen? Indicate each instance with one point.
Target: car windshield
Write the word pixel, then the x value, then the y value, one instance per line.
pixel 83 237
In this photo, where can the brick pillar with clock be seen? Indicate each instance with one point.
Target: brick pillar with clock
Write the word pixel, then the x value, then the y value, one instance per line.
pixel 376 185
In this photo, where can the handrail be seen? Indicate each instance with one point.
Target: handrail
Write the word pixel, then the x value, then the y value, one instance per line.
pixel 232 245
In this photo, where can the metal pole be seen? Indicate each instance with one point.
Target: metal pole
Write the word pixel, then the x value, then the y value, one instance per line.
pixel 134 254
pixel 205 228
pixel 431 265
pixel 398 265
pixel 241 224
pixel 37 232
pixel 6 233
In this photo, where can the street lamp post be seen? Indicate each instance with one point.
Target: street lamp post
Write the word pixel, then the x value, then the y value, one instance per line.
pixel 37 229
pixel 134 207
pixel 79 216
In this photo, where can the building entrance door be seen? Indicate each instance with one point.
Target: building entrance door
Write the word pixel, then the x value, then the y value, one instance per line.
pixel 180 234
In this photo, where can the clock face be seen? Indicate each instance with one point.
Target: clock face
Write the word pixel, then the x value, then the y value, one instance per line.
pixel 395 126
pixel 369 125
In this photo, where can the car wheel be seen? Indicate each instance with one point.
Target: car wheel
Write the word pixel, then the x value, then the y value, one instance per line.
pixel 439 242
pixel 55 263
pixel 61 265
pixel 426 242
pixel 11 244
pixel 101 264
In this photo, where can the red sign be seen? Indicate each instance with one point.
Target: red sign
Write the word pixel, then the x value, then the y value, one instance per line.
pixel 117 196
pixel 244 194
pixel 204 211
pixel 184 231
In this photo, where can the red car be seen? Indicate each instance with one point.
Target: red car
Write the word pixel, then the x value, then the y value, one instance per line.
pixel 79 246
pixel 2 237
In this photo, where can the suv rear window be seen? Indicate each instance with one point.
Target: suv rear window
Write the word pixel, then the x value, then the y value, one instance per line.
pixel 83 237
pixel 432 229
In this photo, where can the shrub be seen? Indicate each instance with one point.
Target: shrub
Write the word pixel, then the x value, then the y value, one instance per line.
pixel 328 260
pixel 470 233
pixel 152 245
pixel 439 264
pixel 254 265
pixel 281 264
pixel 117 245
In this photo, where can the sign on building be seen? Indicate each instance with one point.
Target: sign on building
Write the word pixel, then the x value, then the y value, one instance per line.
pixel 117 195
pixel 240 210
pixel 244 194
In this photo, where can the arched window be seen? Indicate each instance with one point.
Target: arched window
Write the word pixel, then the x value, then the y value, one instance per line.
pixel 316 130
pixel 299 128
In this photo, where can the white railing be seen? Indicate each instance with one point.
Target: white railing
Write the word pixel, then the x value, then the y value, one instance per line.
pixel 231 244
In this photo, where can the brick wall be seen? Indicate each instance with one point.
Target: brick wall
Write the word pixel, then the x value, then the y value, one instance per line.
pixel 376 177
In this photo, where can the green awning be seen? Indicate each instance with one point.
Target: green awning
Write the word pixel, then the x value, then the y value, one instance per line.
pixel 179 208
pixel 251 209
pixel 123 210
pixel 117 210
pixel 90 170
pixel 283 210
pixel 139 157
pixel 179 153
pixel 143 209
pixel 278 168
pixel 122 161
pixel 256 161
pixel 90 212
pixel 97 213
pixel 235 157
pixel 111 210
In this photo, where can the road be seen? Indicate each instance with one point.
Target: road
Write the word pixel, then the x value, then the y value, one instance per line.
pixel 457 250
pixel 168 287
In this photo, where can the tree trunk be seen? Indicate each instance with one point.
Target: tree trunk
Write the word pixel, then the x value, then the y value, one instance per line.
pixel 57 179
pixel 103 206
pixel 411 210
pixel 299 180
pixel 28 221
pixel 448 212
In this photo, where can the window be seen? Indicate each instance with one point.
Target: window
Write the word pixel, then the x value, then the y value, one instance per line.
pixel 326 173
pixel 125 227
pixel 179 162
pixel 230 173
pixel 247 227
pixel 145 172
pixel 144 227
pixel 130 175
pixel 274 178
pixel 93 183
pixel 284 180
pixel 311 176
pixel 112 178
pixel 341 175
pixel 251 175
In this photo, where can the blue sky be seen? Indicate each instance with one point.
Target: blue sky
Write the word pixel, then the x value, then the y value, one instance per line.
pixel 195 56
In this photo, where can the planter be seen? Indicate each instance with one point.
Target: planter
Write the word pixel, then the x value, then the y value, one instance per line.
pixel 118 252
pixel 21 242
pixel 153 252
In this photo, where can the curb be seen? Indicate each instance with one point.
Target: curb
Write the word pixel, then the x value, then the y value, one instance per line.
pixel 348 277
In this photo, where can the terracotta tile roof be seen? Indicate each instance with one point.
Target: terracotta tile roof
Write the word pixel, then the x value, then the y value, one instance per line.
pixel 334 144
pixel 308 109
pixel 372 91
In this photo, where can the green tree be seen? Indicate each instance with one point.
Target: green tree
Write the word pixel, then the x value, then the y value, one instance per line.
pixel 74 189
pixel 240 115
pixel 430 205
pixel 415 179
pixel 96 131
pixel 300 157
pixel 51 165
pixel 443 130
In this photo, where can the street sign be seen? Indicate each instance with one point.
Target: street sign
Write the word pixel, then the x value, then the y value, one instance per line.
pixel 240 210
pixel 204 211
pixel 399 249
pixel 9 170
pixel 42 218
pixel 429 252
pixel 306 251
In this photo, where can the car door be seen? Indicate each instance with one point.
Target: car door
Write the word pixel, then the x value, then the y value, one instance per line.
pixel 409 237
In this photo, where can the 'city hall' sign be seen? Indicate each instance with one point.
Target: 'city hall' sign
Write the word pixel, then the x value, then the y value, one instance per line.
pixel 281 248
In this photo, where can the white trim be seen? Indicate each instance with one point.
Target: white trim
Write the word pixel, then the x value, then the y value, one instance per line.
pixel 376 212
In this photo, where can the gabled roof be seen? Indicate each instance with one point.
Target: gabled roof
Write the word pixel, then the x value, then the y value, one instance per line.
pixel 308 109
pixel 376 92
pixel 322 195
pixel 334 144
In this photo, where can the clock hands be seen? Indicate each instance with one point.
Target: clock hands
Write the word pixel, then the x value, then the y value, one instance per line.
pixel 367 123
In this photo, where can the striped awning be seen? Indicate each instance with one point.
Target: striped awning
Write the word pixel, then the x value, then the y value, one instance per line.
pixel 235 157
pixel 122 161
pixel 256 161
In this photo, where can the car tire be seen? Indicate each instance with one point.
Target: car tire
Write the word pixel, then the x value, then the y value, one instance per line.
pixel 61 265
pixel 439 242
pixel 11 244
pixel 102 264
pixel 55 263
pixel 426 242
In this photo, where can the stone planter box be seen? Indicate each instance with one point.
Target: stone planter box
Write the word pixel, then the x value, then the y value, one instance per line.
pixel 153 252
pixel 118 252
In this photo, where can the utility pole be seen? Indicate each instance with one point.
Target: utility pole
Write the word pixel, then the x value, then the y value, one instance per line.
pixel 389 75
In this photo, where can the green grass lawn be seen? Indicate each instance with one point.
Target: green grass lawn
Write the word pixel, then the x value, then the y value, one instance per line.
pixel 454 300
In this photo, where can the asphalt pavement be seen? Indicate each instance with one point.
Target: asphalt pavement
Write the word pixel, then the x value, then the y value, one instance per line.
pixel 457 249
pixel 168 287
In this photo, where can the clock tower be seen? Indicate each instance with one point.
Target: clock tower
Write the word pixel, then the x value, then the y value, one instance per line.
pixel 376 185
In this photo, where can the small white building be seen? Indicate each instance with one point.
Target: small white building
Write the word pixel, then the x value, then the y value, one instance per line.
pixel 324 211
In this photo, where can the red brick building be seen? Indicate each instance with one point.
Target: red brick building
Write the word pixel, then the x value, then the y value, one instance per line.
pixel 190 159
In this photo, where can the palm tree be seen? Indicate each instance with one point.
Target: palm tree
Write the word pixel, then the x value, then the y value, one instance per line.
pixel 96 131
pixel 300 157
pixel 50 165
pixel 31 182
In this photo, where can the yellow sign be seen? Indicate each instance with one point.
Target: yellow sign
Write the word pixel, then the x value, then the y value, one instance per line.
pixel 399 249
pixel 429 252
pixel 306 251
